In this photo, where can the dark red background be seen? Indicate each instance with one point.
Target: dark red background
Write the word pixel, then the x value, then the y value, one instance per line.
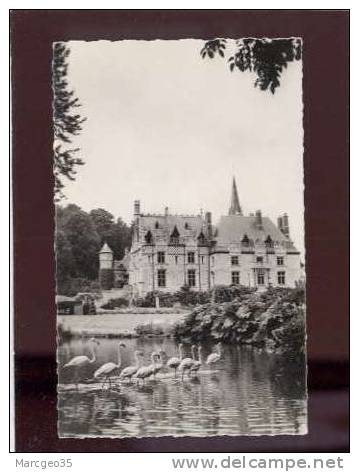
pixel 326 160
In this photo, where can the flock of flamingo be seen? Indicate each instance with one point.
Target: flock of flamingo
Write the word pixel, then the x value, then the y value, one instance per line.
pixel 140 372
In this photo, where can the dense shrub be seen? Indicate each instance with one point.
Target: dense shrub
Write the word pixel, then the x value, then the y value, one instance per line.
pixel 188 297
pixel 72 286
pixel 115 303
pixel 225 293
pixel 273 320
pixel 166 300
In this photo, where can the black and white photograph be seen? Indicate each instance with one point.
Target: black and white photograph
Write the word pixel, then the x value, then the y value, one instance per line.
pixel 179 237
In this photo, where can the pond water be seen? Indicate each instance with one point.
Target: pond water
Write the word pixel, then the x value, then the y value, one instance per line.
pixel 247 392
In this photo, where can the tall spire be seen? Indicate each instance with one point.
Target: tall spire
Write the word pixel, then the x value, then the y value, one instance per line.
pixel 235 208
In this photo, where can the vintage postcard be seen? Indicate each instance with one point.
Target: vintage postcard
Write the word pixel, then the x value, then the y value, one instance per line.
pixel 180 237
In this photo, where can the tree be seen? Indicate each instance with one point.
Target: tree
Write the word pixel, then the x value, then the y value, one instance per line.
pixel 117 235
pixel 120 238
pixel 79 237
pixel 265 57
pixel 85 242
pixel 65 266
pixel 103 221
pixel 67 123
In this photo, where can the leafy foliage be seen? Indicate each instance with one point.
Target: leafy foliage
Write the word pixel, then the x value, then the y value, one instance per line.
pixel 67 122
pixel 81 234
pixel 71 286
pixel 273 320
pixel 113 303
pixel 187 297
pixel 79 237
pixel 117 234
pixel 267 58
pixel 212 47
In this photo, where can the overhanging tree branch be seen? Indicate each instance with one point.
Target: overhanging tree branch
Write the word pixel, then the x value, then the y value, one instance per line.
pixel 66 121
pixel 265 57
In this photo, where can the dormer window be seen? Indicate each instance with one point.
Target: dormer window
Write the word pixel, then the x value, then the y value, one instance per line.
pixel 269 242
pixel 201 238
pixel 245 240
pixel 174 238
pixel 148 237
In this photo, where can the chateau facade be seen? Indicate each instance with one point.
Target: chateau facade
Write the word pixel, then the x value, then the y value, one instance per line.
pixel 172 251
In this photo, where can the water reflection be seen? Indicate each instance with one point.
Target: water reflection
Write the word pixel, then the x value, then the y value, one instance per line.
pixel 247 392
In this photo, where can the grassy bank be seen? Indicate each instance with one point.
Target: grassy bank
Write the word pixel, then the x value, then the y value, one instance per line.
pixel 118 324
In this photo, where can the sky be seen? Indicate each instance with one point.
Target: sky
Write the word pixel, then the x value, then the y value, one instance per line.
pixel 170 129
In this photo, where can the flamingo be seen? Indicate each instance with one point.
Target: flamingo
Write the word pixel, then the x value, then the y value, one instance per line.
pixel 129 372
pixel 159 365
pixel 188 362
pixel 108 369
pixel 174 362
pixel 146 371
pixel 197 363
pixel 81 361
pixel 215 356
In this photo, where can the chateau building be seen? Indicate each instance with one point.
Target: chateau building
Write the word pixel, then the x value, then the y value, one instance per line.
pixel 171 251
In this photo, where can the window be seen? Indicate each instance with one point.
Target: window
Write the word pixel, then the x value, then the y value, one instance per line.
pixel 174 238
pixel 268 242
pixel 161 257
pixel 245 240
pixel 260 259
pixel 186 226
pixel 176 259
pixel 202 259
pixel 280 260
pixel 148 237
pixel 192 278
pixel 281 278
pixel 201 239
pixel 190 258
pixel 157 225
pixel 161 278
pixel 260 277
pixel 234 260
pixel 235 278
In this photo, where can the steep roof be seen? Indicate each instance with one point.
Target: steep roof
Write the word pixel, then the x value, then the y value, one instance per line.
pixel 235 207
pixel 232 228
pixel 164 225
pixel 106 248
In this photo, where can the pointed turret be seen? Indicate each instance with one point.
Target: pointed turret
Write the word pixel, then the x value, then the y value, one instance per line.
pixel 106 249
pixel 235 208
pixel 106 274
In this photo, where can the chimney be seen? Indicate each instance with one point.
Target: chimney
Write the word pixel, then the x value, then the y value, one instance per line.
pixel 208 220
pixel 259 222
pixel 285 227
pixel 137 208
pixel 283 224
